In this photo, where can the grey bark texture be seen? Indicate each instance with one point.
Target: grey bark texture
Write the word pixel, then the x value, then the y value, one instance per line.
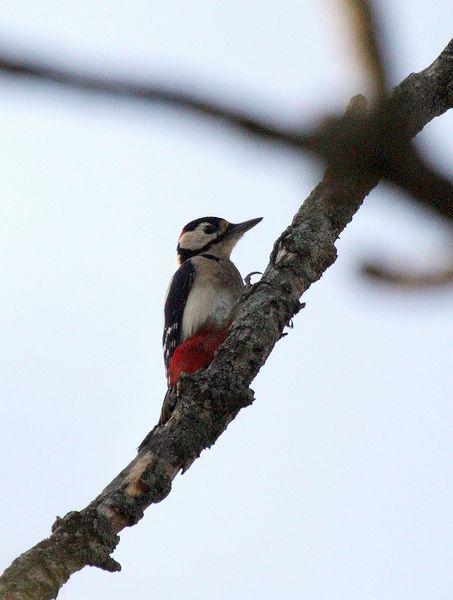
pixel 210 400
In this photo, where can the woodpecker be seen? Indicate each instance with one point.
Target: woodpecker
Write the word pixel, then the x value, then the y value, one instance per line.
pixel 200 300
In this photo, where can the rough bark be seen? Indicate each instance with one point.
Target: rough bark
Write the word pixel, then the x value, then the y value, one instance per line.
pixel 209 400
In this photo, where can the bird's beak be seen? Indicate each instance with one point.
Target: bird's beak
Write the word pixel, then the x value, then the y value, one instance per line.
pixel 238 229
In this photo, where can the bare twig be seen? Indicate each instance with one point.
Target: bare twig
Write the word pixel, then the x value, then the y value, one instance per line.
pixel 381 273
pixel 428 187
pixel 371 141
pixel 154 93
pixel 209 400
pixel 367 32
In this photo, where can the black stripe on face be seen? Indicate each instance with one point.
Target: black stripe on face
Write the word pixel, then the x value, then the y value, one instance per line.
pixel 216 223
pixel 185 253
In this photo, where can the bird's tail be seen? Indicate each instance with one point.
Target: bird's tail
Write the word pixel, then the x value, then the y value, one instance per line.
pixel 168 407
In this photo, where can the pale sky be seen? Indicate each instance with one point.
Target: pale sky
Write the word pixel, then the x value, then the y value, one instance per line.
pixel 337 483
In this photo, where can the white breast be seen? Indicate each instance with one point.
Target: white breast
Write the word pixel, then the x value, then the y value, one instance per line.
pixel 206 304
pixel 217 286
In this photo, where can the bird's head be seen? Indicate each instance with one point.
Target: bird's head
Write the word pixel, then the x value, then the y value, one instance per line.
pixel 211 235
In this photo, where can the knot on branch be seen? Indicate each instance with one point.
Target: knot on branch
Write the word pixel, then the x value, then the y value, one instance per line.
pixel 89 536
pixel 146 480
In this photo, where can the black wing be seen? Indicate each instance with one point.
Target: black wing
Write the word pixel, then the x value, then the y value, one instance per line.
pixel 174 308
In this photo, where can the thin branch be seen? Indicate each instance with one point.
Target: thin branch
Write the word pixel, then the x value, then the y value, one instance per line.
pixel 154 93
pixel 371 141
pixel 410 280
pixel 210 400
pixel 366 34
pixel 432 190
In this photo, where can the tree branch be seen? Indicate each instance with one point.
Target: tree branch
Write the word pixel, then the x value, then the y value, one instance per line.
pixel 367 35
pixel 210 400
pixel 373 141
pixel 413 175
pixel 410 280
pixel 153 93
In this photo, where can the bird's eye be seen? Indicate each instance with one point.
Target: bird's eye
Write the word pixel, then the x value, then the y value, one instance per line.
pixel 209 229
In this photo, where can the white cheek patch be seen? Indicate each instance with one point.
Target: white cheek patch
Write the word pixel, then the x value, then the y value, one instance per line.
pixel 194 240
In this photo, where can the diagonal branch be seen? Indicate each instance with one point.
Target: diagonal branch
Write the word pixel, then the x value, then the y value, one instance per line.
pixel 210 400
